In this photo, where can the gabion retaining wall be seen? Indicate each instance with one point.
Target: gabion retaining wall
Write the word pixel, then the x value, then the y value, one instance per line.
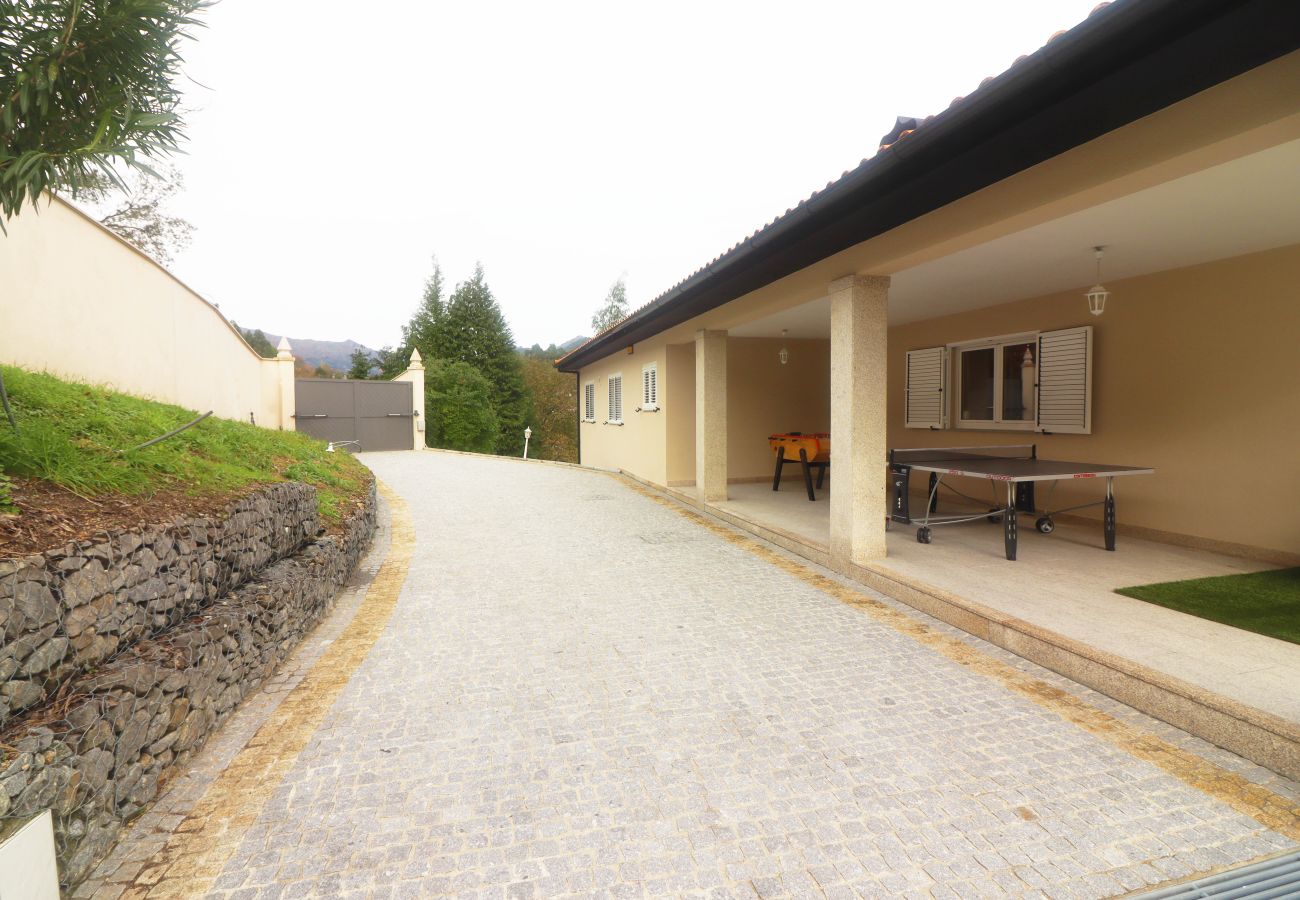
pixel 100 752
pixel 67 610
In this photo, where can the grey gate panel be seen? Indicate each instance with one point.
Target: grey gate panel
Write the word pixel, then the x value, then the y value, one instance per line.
pixel 377 414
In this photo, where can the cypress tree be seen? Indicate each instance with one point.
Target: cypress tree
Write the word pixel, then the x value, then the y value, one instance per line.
pixel 471 329
pixel 424 324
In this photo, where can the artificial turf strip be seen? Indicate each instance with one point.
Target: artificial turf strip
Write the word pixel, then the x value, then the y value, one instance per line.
pixel 74 435
pixel 1262 602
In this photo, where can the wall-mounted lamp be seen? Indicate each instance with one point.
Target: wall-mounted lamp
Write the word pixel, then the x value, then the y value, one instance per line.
pixel 1097 294
pixel 783 354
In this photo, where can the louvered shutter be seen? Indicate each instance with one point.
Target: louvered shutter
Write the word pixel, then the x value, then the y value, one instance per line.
pixel 1065 381
pixel 589 401
pixel 616 398
pixel 927 379
pixel 650 387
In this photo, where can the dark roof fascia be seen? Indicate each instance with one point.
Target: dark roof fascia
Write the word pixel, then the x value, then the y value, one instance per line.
pixel 1125 62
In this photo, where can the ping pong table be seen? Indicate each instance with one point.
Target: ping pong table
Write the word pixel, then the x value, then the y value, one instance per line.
pixel 1018 466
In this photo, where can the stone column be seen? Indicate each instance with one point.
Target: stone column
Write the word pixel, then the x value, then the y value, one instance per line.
pixel 415 375
pixel 859 319
pixel 288 388
pixel 711 415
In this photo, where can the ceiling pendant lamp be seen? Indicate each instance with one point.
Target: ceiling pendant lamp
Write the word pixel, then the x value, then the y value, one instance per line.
pixel 1097 294
pixel 783 354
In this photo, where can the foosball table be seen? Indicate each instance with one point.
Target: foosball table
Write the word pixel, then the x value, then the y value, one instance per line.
pixel 811 451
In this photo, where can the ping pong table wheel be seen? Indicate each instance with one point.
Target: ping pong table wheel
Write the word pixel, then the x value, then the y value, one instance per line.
pixel 923 535
pixel 1045 525
pixel 995 514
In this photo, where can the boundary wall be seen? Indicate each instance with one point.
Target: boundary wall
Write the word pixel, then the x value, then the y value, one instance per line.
pixel 81 303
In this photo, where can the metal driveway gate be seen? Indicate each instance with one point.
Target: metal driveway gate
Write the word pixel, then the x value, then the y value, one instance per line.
pixel 377 414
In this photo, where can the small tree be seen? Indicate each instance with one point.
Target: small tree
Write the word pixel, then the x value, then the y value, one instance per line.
pixel 458 408
pixel 137 215
pixel 474 331
pixel 258 341
pixel 422 331
pixel 392 362
pixel 614 309
pixel 84 85
pixel 555 403
pixel 361 365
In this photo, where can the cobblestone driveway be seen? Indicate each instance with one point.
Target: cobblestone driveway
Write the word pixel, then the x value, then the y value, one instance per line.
pixel 583 691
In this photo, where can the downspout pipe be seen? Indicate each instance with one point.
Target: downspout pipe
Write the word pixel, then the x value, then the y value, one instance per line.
pixel 577 410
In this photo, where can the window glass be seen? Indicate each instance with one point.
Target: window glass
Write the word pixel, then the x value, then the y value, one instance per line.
pixel 1018 379
pixel 977 384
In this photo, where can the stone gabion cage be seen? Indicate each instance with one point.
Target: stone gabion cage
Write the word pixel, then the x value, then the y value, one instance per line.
pixel 120 656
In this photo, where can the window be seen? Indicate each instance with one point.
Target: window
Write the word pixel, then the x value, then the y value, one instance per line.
pixel 589 402
pixel 1028 382
pixel 615 416
pixel 649 388
pixel 997 384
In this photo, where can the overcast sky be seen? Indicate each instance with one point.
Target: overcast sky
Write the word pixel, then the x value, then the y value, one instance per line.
pixel 336 148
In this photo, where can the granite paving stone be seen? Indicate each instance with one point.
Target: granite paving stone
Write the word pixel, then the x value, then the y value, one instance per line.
pixel 583 692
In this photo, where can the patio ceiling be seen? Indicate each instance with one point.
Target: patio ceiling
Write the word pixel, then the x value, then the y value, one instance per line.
pixel 1244 206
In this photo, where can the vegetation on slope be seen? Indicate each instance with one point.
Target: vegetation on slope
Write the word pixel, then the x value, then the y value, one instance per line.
pixel 72 435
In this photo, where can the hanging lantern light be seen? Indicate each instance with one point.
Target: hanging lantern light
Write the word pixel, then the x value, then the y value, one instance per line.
pixel 784 353
pixel 1097 294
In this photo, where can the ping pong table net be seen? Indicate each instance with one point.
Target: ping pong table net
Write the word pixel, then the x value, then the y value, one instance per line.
pixel 927 455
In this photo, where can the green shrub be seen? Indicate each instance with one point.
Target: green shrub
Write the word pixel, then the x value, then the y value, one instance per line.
pixel 458 413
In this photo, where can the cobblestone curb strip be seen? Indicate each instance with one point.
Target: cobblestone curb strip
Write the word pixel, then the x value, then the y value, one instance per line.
pixel 67 610
pixel 210 834
pixel 100 750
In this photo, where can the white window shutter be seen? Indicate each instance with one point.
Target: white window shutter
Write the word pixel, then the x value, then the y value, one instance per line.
pixel 927 382
pixel 650 387
pixel 615 412
pixel 589 401
pixel 1065 381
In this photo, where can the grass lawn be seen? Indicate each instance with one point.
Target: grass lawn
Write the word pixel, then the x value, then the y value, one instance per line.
pixel 72 435
pixel 1262 602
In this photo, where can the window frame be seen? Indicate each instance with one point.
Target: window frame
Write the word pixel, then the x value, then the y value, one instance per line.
pixel 998 345
pixel 648 403
pixel 589 419
pixel 609 399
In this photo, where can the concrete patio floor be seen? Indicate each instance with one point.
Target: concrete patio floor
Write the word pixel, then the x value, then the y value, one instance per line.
pixel 1065 583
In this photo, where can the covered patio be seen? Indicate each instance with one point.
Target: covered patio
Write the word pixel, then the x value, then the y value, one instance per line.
pixel 1125 300
pixel 1160 373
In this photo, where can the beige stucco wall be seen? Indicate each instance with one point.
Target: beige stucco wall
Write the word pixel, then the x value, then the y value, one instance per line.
pixel 764 397
pixel 679 409
pixel 77 301
pixel 1196 374
pixel 636 446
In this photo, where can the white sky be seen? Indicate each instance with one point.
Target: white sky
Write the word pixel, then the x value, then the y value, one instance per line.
pixel 336 147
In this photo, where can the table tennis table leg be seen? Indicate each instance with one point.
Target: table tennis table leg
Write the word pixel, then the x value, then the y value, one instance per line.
pixel 807 474
pixel 780 461
pixel 1108 515
pixel 1009 522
